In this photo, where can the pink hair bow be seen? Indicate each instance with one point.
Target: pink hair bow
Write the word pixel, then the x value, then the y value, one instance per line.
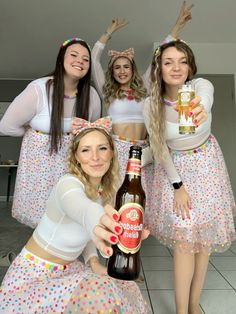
pixel 128 53
pixel 78 124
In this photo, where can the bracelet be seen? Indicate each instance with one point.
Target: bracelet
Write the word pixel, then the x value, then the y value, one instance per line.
pixel 108 35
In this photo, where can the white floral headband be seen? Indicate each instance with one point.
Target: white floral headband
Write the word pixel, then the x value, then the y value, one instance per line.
pixel 169 39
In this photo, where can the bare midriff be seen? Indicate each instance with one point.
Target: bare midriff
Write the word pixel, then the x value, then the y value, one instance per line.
pixel 35 249
pixel 133 131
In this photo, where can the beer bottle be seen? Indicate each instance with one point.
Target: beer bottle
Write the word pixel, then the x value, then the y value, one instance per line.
pixel 130 202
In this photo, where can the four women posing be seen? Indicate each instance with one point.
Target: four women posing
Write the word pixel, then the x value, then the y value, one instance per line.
pixel 189 197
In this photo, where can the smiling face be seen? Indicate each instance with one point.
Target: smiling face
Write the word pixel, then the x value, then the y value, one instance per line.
pixel 122 71
pixel 94 155
pixel 76 61
pixel 174 67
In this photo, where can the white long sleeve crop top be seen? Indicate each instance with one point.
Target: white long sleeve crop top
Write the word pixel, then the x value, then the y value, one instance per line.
pixel 176 141
pixel 31 108
pixel 66 228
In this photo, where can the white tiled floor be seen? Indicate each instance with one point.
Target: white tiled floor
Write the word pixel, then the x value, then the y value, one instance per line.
pixel 219 293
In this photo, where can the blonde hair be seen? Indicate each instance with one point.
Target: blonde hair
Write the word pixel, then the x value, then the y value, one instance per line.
pixel 157 109
pixel 112 90
pixel 109 180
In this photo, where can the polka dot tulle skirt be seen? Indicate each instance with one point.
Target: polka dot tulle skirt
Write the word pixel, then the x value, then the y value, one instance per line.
pixel 37 173
pixel 31 286
pixel 205 177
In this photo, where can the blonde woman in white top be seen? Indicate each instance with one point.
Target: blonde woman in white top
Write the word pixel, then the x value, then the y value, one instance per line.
pixel 46 277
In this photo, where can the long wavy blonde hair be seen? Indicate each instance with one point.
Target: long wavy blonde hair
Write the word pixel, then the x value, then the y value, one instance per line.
pixel 109 180
pixel 112 89
pixel 157 109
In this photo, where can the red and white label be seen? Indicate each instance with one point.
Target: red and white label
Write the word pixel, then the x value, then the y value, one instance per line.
pixel 131 219
pixel 134 166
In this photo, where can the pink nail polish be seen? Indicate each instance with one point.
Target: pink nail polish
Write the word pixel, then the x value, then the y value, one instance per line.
pixel 113 239
pixel 108 252
pixel 117 229
pixel 115 217
pixel 190 114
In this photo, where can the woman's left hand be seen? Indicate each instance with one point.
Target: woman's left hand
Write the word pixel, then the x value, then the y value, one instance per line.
pixel 184 16
pixel 198 112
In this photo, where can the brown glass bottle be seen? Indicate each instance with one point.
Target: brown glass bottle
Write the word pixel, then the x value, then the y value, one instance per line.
pixel 130 203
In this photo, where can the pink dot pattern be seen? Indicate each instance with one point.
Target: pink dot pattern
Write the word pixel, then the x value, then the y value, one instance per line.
pixel 37 173
pixel 33 288
pixel 205 177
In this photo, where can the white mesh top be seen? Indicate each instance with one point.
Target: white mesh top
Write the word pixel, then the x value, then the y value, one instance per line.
pixel 174 140
pixel 66 228
pixel 121 110
pixel 31 108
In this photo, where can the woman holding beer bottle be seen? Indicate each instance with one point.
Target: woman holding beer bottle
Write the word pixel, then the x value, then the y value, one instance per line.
pixel 47 277
pixel 192 195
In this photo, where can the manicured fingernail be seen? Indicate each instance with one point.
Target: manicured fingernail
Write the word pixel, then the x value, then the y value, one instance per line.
pixel 113 239
pixel 117 229
pixel 115 217
pixel 195 121
pixel 108 252
pixel 190 114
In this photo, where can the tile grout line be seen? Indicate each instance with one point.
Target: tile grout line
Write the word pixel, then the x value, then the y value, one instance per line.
pixel 144 275
pixel 222 276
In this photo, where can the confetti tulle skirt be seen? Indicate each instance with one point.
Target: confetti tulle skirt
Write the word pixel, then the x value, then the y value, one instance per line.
pixel 37 173
pixel 205 177
pixel 123 146
pixel 33 285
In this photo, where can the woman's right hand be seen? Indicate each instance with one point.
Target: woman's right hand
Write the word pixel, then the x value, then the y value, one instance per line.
pixel 182 203
pixel 116 24
pixel 108 230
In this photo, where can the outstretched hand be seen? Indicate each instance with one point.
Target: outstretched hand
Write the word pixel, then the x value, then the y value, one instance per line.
pixel 107 232
pixel 184 16
pixel 198 112
pixel 116 24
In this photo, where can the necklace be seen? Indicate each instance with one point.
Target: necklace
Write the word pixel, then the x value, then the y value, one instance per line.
pixel 99 190
pixel 128 93
pixel 170 103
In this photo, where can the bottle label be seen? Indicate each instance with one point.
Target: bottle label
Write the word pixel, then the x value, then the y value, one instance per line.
pixel 131 219
pixel 134 166
pixel 186 125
